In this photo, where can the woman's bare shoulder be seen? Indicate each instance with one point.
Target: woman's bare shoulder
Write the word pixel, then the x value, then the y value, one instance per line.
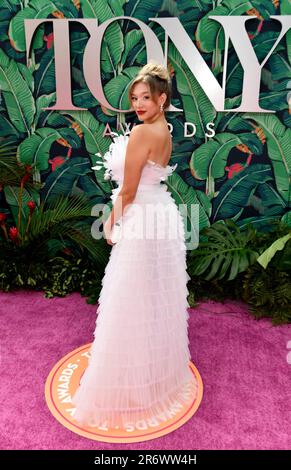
pixel 139 138
pixel 140 129
pixel 149 133
pixel 140 133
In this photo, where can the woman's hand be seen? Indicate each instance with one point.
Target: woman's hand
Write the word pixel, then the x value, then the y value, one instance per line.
pixel 107 232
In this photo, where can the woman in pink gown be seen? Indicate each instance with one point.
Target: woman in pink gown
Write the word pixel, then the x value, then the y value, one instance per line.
pixel 139 360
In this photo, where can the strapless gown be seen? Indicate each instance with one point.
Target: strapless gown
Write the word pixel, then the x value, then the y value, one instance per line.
pixel 139 359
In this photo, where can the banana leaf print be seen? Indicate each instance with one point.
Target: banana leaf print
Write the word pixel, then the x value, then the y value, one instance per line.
pixel 17 94
pixel 242 172
pixel 116 89
pixel 112 45
pixel 261 223
pixel 278 140
pixel 271 203
pixel 35 149
pixel 44 76
pixel 234 195
pixel 64 179
pixel 12 198
pixel 209 33
pixel 287 218
pixel 186 198
pixel 209 160
pixel 140 9
pixel 36 9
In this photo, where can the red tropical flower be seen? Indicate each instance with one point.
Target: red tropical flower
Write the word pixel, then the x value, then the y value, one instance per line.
pixel 13 233
pixel 56 162
pixel 233 169
pixel 32 206
pixel 28 168
pixel 3 217
pixel 49 39
pixel 25 178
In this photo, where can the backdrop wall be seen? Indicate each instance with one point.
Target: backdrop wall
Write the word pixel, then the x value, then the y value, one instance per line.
pixel 242 173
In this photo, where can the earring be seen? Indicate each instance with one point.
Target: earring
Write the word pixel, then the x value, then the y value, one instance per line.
pixel 161 107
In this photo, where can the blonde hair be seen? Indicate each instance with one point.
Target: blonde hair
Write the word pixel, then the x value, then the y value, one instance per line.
pixel 157 77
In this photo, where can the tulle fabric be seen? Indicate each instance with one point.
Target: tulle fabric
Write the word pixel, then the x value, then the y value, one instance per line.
pixel 139 360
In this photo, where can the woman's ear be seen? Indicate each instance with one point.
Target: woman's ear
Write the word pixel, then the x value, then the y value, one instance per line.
pixel 164 96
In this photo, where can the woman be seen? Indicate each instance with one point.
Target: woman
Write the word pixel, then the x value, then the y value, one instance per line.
pixel 139 362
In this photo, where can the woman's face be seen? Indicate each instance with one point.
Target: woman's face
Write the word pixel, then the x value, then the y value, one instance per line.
pixel 143 104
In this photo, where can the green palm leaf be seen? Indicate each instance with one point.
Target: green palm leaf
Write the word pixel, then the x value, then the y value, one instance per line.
pixel 64 217
pixel 271 201
pixel 10 173
pixel 112 43
pixel 287 218
pixel 92 129
pixel 12 198
pixel 44 101
pixel 187 197
pixel 234 195
pixel 93 190
pixel 64 179
pixel 224 254
pixel 58 211
pixel 6 127
pixel 278 142
pixel 268 254
pixel 116 90
pixel 35 10
pixel 35 150
pixel 209 33
pixel 263 223
pixel 142 10
pixel 44 76
pixel 131 40
pixel 209 159
pixel 80 233
pixel 17 94
pixel 280 68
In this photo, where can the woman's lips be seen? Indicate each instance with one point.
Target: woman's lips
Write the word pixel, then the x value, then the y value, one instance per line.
pixel 140 112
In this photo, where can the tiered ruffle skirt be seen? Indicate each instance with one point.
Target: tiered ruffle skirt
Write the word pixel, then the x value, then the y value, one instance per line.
pixel 139 360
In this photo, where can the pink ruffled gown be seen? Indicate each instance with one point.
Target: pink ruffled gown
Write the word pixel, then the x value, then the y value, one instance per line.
pixel 139 359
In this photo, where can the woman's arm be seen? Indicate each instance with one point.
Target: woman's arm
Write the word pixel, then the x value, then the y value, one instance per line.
pixel 137 153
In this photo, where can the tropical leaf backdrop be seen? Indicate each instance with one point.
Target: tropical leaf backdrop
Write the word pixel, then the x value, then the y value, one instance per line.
pixel 242 173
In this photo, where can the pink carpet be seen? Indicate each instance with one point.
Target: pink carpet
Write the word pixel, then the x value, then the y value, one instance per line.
pixel 243 364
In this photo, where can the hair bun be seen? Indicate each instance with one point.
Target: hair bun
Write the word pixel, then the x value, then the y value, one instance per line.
pixel 155 69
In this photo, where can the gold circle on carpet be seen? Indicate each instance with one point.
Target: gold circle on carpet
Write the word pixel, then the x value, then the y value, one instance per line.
pixel 64 379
